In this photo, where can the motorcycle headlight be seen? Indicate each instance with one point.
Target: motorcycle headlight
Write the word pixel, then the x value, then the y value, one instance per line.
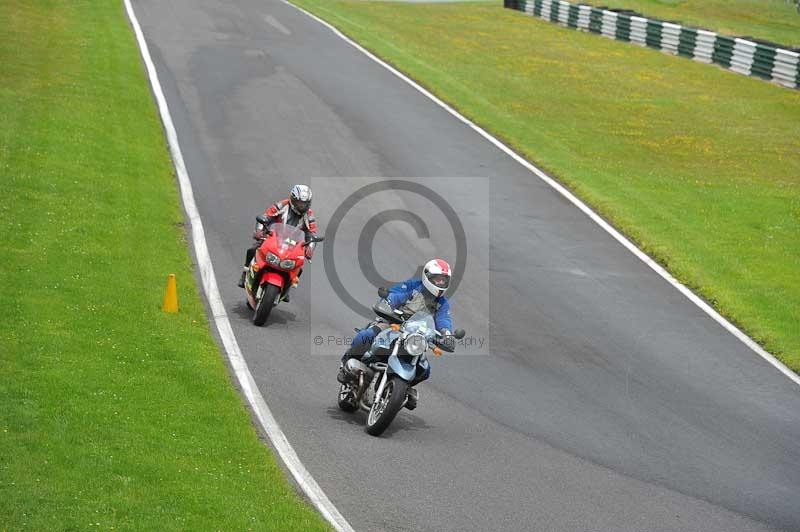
pixel 288 264
pixel 415 344
pixel 273 259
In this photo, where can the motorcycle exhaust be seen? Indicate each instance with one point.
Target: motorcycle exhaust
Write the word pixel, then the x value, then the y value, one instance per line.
pixel 354 367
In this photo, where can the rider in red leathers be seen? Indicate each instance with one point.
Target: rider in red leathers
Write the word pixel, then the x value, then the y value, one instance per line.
pixel 294 210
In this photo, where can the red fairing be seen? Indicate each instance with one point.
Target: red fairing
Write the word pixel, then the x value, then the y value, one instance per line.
pixel 261 259
pixel 277 263
pixel 273 273
pixel 274 278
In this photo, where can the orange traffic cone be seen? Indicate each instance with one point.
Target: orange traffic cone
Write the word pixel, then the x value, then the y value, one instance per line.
pixel 170 295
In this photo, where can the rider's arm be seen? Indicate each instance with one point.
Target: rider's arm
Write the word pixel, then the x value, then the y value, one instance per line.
pixel 442 318
pixel 311 223
pixel 400 293
pixel 271 214
pixel 311 232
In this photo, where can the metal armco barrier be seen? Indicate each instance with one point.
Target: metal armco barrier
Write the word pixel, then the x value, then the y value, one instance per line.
pixel 738 55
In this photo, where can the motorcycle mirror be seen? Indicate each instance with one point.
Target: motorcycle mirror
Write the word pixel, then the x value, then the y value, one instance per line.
pixel 459 334
pixel 383 293
pixel 261 219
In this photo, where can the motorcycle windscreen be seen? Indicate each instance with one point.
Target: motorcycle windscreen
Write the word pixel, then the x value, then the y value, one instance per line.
pixel 421 322
pixel 287 237
pixel 384 340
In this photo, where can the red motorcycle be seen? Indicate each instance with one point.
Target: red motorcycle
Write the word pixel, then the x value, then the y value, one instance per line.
pixel 275 267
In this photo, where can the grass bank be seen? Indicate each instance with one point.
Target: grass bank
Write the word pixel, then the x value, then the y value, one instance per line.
pixel 699 166
pixel 114 415
pixel 774 20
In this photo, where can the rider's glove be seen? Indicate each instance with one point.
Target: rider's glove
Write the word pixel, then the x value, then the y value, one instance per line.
pixel 262 234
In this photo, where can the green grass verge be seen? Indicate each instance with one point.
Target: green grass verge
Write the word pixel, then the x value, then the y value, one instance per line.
pixel 699 166
pixel 774 20
pixel 114 415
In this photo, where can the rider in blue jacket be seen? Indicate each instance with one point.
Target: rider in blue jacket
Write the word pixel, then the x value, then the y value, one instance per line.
pixel 410 296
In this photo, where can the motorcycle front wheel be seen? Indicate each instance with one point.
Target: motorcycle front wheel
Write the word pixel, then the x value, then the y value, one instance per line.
pixel 265 304
pixel 386 407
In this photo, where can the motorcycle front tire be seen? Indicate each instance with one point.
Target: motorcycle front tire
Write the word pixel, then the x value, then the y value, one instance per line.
pixel 265 304
pixel 397 389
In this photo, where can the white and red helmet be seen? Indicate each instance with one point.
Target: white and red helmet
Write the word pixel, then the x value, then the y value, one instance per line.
pixel 436 277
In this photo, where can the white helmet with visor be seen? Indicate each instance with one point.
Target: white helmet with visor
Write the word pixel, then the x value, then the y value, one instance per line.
pixel 436 277
pixel 300 198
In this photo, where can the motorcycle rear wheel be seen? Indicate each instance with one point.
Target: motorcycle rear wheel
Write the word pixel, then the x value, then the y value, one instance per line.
pixel 265 304
pixel 386 407
pixel 347 401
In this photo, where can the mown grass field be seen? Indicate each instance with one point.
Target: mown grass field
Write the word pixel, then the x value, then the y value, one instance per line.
pixel 774 20
pixel 699 166
pixel 114 415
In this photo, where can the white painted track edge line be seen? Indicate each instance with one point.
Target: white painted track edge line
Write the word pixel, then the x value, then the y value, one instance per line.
pixel 209 281
pixel 694 298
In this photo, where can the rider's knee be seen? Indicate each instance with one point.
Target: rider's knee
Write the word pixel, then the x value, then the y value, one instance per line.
pixel 365 336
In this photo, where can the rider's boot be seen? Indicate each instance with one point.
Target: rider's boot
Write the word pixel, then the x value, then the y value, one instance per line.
pixel 345 376
pixel 248 258
pixel 359 347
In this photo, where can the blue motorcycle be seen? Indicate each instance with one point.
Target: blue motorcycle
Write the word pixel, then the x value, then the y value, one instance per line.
pixel 382 381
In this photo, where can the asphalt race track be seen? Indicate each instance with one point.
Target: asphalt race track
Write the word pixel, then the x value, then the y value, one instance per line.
pixel 606 400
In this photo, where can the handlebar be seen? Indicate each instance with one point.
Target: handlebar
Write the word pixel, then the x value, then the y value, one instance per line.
pixel 444 342
pixel 450 347
pixel 385 311
pixel 261 226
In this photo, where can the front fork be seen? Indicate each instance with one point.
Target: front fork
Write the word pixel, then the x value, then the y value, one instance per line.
pixel 385 377
pixel 381 386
